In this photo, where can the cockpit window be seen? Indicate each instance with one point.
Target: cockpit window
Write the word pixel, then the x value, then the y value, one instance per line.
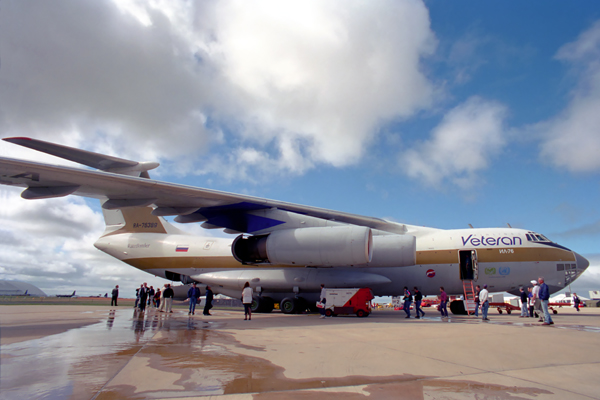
pixel 536 237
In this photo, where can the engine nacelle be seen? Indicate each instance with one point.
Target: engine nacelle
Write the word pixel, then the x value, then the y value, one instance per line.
pixel 337 246
pixel 394 251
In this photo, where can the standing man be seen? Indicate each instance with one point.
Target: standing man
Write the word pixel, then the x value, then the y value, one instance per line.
pixel 407 300
pixel 485 304
pixel 323 300
pixel 524 299
pixel 477 291
pixel 545 298
pixel 137 297
pixel 168 296
pixel 443 302
pixel 143 296
pixel 115 295
pixel 530 298
pixel 209 299
pixel 537 303
pixel 576 301
pixel 418 301
pixel 161 308
pixel 150 294
pixel 194 297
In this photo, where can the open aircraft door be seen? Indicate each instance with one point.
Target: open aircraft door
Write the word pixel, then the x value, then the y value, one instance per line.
pixel 475 265
pixel 468 265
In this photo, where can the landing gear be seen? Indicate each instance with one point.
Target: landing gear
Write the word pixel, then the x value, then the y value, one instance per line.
pixel 291 305
pixel 262 305
pixel 457 307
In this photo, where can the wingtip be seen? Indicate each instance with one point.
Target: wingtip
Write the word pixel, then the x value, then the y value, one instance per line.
pixel 15 139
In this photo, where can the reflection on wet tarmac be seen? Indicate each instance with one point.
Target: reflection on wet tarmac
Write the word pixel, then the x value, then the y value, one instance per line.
pixel 77 363
pixel 181 356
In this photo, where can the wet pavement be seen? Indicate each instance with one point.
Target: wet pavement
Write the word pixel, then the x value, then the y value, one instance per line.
pixel 121 354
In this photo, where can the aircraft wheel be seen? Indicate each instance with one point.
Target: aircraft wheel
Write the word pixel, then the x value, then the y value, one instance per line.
pixel 262 305
pixel 457 307
pixel 288 305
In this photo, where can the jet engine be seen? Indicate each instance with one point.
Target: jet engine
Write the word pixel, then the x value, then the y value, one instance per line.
pixel 324 247
pixel 394 251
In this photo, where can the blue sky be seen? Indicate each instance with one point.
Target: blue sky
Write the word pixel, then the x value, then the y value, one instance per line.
pixel 437 113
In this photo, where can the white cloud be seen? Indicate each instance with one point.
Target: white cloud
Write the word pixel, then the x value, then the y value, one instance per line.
pixel 572 139
pixel 302 83
pixel 462 144
pixel 50 243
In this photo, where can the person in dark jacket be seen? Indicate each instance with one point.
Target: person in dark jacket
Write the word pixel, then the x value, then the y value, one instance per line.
pixel 545 298
pixel 193 297
pixel 418 300
pixel 168 297
pixel 115 296
pixel 524 298
pixel 143 296
pixel 576 301
pixel 407 300
pixel 209 299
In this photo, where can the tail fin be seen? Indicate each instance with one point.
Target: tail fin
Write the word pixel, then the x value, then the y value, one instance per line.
pixel 136 220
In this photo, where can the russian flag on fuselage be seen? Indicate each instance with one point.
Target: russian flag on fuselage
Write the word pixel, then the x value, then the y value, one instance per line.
pixel 182 248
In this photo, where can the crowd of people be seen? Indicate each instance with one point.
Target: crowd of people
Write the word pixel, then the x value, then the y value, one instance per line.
pixel 159 299
pixel 534 302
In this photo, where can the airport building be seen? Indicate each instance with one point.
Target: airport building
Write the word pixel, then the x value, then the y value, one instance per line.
pixel 17 288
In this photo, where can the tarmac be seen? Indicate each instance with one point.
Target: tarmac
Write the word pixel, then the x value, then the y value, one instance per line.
pixel 95 352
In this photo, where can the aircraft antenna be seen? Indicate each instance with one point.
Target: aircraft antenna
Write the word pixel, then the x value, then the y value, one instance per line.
pixel 508 225
pixel 471 226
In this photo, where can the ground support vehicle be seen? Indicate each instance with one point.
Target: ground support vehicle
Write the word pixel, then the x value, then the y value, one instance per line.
pixel 348 301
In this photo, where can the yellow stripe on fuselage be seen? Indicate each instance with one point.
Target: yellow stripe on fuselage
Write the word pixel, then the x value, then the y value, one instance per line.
pixel 513 254
pixel 426 257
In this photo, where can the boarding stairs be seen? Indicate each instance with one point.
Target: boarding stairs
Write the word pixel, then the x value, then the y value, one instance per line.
pixel 469 301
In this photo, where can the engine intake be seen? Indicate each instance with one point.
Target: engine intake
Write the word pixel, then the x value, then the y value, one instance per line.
pixel 325 247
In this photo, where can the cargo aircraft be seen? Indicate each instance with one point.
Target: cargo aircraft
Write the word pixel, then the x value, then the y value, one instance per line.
pixel 285 250
pixel 67 295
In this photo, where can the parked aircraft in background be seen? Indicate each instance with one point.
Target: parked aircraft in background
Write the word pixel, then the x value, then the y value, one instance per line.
pixel 285 250
pixel 66 295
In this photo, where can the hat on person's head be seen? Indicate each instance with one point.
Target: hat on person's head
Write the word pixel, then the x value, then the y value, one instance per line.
pixel 485 286
pixel 534 282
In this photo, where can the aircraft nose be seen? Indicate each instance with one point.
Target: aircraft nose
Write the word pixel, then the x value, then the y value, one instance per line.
pixel 582 262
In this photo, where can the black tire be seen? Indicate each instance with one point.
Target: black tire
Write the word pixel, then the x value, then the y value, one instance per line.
pixel 288 305
pixel 361 313
pixel 328 313
pixel 262 305
pixel 554 312
pixel 457 307
pixel 499 311
pixel 508 311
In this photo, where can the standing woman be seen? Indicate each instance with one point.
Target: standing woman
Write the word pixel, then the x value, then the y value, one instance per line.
pixel 443 302
pixel 247 301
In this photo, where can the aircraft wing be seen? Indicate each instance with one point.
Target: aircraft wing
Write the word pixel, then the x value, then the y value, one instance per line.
pixel 191 204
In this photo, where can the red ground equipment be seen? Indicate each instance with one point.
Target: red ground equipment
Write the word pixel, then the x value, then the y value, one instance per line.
pixel 348 301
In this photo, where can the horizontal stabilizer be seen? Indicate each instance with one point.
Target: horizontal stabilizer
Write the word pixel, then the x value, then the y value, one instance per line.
pixel 91 159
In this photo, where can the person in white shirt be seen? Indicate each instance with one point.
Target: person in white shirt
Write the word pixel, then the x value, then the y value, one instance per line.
pixel 485 304
pixel 323 300
pixel 535 297
pixel 247 301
